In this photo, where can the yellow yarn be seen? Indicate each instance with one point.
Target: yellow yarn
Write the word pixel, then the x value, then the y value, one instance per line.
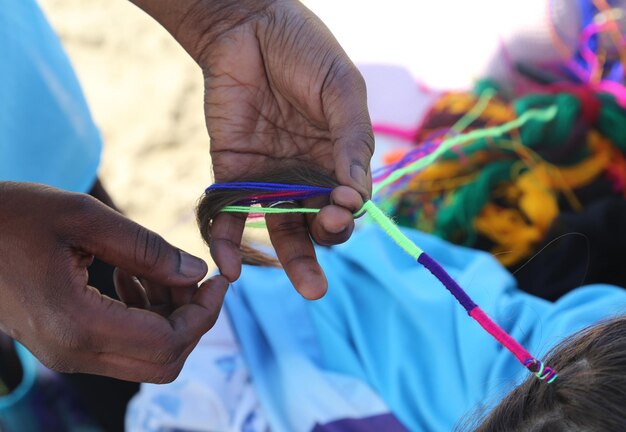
pixel 536 201
pixel 460 103
pixel 517 231
pixel 514 237
pixel 586 171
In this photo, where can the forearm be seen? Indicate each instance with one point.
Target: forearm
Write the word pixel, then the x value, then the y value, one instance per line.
pixel 196 23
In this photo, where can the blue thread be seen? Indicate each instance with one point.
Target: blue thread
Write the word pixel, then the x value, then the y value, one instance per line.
pixel 275 187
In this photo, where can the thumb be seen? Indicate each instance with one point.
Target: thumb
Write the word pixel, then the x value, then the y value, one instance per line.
pixel 117 240
pixel 344 98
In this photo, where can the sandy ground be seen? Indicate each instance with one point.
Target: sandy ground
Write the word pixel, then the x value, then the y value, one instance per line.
pixel 146 96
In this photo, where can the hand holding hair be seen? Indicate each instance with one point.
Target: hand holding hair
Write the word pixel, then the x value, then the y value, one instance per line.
pixel 279 89
pixel 48 238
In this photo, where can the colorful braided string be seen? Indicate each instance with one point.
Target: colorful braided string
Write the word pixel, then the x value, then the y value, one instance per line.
pixel 272 192
pixel 542 372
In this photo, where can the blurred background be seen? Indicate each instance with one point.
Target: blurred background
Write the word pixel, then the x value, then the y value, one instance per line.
pixel 145 94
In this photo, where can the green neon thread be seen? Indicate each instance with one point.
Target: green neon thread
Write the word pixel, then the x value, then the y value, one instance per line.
pixel 268 210
pixel 475 112
pixel 369 207
pixel 258 224
pixel 543 115
pixel 391 229
pixel 540 371
pixel 551 380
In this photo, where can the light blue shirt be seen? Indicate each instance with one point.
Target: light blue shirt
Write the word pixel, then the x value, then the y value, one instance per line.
pixel 387 323
pixel 47 134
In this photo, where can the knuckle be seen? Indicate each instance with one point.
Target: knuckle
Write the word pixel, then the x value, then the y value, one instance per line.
pixel 288 225
pixel 78 210
pixel 149 249
pixel 357 79
pixel 81 206
pixel 364 139
pixel 344 79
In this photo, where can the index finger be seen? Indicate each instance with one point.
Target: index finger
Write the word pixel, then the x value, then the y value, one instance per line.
pixel 226 232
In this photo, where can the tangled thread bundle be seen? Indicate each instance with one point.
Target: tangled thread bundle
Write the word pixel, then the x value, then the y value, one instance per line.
pixel 502 192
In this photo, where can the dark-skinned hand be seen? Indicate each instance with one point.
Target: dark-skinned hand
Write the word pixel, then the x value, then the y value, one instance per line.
pixel 279 89
pixel 48 239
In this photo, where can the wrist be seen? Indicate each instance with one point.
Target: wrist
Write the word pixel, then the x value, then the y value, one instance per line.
pixel 196 24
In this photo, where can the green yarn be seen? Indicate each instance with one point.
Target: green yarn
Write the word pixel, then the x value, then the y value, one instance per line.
pixel 486 84
pixel 482 144
pixel 455 219
pixel 483 101
pixel 267 210
pixel 612 121
pixel 543 137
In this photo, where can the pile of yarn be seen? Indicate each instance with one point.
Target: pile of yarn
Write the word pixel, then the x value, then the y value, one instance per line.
pixel 502 193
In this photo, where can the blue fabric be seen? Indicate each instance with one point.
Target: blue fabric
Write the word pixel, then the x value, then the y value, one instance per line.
pixel 47 134
pixel 389 326
pixel 29 370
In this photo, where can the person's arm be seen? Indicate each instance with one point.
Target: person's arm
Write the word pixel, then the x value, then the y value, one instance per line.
pixel 48 239
pixel 278 88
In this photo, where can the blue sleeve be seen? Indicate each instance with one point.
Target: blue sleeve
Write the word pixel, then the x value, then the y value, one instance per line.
pixel 47 134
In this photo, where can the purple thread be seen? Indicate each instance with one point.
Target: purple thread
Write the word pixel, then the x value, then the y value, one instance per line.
pixel 298 192
pixel 267 187
pixel 423 150
pixel 447 281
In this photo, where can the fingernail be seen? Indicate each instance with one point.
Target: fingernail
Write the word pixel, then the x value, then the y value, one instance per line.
pixel 336 230
pixel 191 266
pixel 358 174
pixel 220 281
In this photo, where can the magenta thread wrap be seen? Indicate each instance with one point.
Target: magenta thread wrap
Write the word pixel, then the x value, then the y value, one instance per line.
pixel 532 364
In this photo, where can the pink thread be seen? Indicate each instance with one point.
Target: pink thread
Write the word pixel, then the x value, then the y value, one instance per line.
pixel 615 89
pixel 398 132
pixel 587 54
pixel 501 336
pixel 276 195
